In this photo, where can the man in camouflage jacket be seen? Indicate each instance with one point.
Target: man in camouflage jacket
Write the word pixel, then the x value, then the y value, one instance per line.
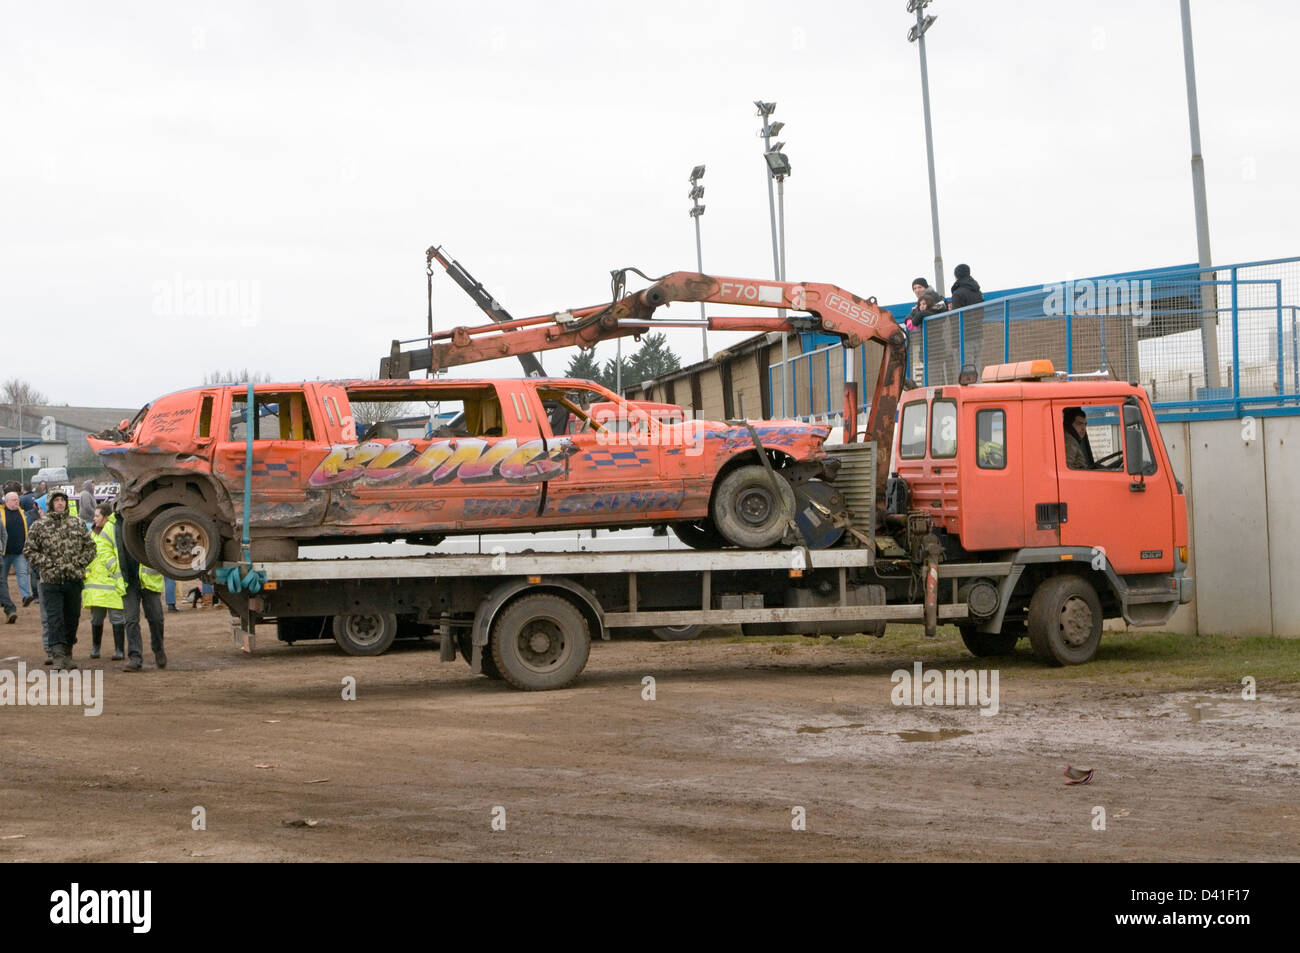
pixel 61 548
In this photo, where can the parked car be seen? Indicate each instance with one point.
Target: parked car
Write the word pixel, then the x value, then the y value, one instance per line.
pixel 500 456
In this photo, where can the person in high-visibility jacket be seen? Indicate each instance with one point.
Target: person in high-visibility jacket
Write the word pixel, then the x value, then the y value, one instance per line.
pixel 105 585
pixel 143 591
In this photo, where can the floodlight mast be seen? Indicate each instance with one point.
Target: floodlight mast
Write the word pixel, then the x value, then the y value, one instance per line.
pixel 917 35
pixel 696 193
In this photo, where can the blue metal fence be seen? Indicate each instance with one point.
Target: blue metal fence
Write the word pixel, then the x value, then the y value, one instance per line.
pixel 1209 343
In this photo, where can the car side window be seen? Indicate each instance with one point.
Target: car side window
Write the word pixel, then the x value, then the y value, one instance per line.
pixel 277 416
pixel 911 440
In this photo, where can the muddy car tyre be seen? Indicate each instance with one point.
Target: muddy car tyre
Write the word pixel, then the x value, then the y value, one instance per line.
pixel 365 633
pixel 988 645
pixel 676 633
pixel 540 642
pixel 752 508
pixel 182 543
pixel 1065 620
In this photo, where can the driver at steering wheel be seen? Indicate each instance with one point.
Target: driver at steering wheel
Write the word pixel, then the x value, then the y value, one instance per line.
pixel 1078 451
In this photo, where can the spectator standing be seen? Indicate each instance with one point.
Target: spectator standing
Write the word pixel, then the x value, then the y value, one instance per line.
pixel 13 537
pixel 86 501
pixel 169 594
pixel 143 591
pixel 104 588
pixel 928 302
pixel 61 548
pixel 965 292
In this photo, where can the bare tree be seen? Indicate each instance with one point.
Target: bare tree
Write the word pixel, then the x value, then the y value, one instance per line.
pixel 367 413
pixel 236 377
pixel 16 395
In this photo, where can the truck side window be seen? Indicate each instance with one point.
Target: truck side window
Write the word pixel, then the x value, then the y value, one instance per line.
pixel 276 417
pixel 991 439
pixel 911 438
pixel 943 429
pixel 1092 438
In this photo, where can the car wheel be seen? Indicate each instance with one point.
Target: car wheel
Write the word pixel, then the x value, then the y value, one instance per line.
pixel 540 642
pixel 699 535
pixel 365 633
pixel 752 508
pixel 1065 620
pixel 486 666
pixel 133 540
pixel 182 543
pixel 987 645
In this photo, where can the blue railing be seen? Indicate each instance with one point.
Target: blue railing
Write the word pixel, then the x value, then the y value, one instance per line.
pixel 1210 343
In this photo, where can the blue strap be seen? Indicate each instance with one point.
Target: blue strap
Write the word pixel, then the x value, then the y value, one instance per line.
pixel 245 577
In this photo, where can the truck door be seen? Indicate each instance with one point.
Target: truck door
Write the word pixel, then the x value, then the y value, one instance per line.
pixel 285 450
pixel 1127 518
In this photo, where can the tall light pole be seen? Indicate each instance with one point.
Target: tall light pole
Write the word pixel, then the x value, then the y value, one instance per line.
pixel 769 130
pixel 1210 319
pixel 917 35
pixel 696 193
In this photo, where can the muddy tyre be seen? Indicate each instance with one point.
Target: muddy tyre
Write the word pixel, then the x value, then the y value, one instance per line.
pixel 752 508
pixel 182 543
pixel 486 666
pixel 676 633
pixel 365 633
pixel 1065 620
pixel 698 535
pixel 540 642
pixel 989 645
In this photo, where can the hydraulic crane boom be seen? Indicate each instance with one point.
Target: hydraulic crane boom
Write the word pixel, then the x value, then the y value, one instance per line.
pixel 486 302
pixel 830 310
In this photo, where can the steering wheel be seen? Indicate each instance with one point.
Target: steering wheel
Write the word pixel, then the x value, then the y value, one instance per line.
pixel 1105 462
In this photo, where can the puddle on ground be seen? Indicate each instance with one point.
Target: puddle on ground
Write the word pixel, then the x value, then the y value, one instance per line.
pixel 1198 709
pixel 818 729
pixel 943 734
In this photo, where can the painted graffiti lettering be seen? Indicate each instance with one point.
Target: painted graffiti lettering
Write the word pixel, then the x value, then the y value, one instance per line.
pixel 468 460
pixel 631 502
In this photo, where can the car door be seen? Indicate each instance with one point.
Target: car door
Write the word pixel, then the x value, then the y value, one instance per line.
pixel 613 472
pixel 285 451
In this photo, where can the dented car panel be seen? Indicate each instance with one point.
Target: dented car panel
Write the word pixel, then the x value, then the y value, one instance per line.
pixel 523 455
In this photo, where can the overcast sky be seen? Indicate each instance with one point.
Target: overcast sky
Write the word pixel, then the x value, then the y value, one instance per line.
pixel 308 153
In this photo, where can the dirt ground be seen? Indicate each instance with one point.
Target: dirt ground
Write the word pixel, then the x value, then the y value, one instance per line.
pixel 737 738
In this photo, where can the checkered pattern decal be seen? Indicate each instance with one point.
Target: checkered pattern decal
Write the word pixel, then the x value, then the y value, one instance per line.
pixel 620 458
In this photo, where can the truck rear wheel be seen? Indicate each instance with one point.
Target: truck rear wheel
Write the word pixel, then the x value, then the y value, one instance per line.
pixel 540 642
pixel 182 543
pixel 1065 620
pixel 752 508
pixel 676 633
pixel 365 633
pixel 986 644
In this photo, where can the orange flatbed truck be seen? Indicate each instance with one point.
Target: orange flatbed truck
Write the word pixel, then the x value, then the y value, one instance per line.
pixel 1005 514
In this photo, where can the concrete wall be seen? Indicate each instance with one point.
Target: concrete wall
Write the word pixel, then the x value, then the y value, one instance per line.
pixel 1244 528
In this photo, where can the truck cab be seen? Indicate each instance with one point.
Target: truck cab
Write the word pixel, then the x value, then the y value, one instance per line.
pixel 1051 477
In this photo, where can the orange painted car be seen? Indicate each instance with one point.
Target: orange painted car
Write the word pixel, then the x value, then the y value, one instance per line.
pixel 353 461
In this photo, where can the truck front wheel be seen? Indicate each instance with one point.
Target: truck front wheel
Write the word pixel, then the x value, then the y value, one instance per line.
pixel 1065 620
pixel 540 642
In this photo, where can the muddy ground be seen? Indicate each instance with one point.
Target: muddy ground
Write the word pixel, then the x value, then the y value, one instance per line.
pixel 737 738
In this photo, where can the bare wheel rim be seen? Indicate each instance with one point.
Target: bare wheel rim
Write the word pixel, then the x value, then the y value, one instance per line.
pixel 754 506
pixel 1076 622
pixel 182 541
pixel 364 629
pixel 542 645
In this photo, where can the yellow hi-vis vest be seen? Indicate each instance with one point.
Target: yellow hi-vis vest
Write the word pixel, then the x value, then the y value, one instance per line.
pixel 105 585
pixel 150 580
